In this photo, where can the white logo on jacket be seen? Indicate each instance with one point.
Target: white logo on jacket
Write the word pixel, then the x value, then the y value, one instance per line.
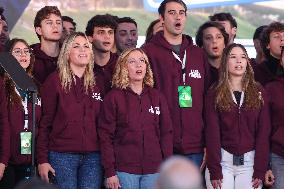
pixel 38 101
pixel 195 74
pixel 155 110
pixel 97 96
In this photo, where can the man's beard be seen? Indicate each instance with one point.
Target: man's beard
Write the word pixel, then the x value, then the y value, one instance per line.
pixel 99 49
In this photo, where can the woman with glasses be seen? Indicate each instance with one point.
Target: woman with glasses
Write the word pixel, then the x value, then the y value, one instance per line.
pixel 135 127
pixel 20 117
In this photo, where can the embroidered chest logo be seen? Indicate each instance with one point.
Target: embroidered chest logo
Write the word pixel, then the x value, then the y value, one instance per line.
pixel 155 110
pixel 195 74
pixel 97 96
pixel 38 101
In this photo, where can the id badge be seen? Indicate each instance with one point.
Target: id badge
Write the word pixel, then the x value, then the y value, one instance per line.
pixel 184 96
pixel 26 142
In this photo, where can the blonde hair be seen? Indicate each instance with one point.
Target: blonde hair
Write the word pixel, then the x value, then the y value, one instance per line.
pixel 120 77
pixel 65 73
pixel 224 101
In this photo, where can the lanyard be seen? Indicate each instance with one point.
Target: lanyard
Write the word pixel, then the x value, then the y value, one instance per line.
pixel 26 112
pixel 183 62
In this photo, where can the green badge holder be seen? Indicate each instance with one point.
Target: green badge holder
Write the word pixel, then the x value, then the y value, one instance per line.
pixel 26 142
pixel 184 96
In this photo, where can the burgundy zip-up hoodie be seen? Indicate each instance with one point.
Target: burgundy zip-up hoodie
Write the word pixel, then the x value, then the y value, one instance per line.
pixel 44 64
pixel 187 122
pixel 265 72
pixel 275 90
pixel 1 48
pixel 16 120
pixel 103 74
pixel 135 131
pixel 237 131
pixel 69 119
pixel 4 126
pixel 214 74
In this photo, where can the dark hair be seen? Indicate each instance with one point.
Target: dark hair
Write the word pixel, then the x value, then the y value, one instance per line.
pixel 69 19
pixel 44 13
pixel 126 20
pixel 162 7
pixel 1 14
pixel 150 30
pixel 9 45
pixel 199 33
pixel 224 16
pixel 34 183
pixel 258 31
pixel 265 36
pixel 12 96
pixel 105 20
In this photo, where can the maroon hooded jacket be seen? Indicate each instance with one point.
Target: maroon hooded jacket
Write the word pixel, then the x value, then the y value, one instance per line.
pixel 103 74
pixel 237 131
pixel 44 64
pixel 1 48
pixel 4 126
pixel 187 122
pixel 135 131
pixel 275 90
pixel 266 71
pixel 16 120
pixel 69 119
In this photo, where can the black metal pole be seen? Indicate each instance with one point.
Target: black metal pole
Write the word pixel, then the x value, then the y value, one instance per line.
pixel 34 169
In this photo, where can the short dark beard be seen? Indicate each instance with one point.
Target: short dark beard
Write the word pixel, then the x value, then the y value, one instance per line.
pixel 99 49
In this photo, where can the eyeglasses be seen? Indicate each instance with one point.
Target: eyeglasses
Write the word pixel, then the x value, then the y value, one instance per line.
pixel 19 52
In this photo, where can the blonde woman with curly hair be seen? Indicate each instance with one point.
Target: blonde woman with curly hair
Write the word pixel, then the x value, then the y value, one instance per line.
pixel 135 128
pixel 237 125
pixel 67 144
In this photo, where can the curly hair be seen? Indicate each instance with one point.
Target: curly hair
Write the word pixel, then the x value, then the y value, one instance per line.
pixel 105 20
pixel 65 73
pixel 251 89
pixel 44 13
pixel 265 35
pixel 12 96
pixel 120 77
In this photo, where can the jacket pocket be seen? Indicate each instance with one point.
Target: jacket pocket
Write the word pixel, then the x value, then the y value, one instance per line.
pixel 71 130
pixel 127 147
pixel 152 146
pixel 277 136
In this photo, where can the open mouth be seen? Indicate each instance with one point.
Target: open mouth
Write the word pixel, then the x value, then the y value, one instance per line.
pixel 82 55
pixel 139 72
pixel 215 49
pixel 23 61
pixel 238 67
pixel 106 43
pixel 178 25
